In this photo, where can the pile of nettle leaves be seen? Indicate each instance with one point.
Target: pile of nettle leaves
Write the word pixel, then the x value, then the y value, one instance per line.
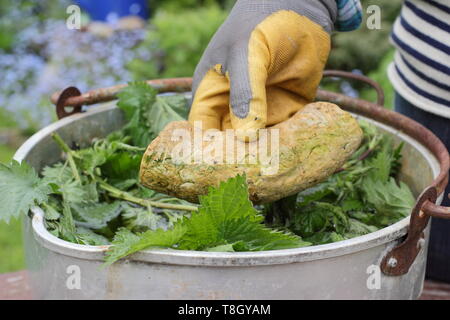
pixel 93 196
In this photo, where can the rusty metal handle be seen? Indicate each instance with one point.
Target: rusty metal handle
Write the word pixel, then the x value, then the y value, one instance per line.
pixel 399 260
pixel 433 210
pixel 349 75
pixel 72 97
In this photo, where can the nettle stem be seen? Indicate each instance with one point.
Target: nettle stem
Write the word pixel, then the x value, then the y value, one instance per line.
pixel 119 194
pixel 112 191
pixel 64 147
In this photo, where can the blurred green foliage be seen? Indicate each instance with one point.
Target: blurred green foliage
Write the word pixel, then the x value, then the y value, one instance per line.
pixel 6 154
pixel 176 41
pixel 6 39
pixel 366 50
pixel 363 49
pixel 6 119
pixel 11 249
pixel 380 76
pixel 13 19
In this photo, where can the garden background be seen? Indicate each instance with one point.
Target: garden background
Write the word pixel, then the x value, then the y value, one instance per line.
pixel 40 55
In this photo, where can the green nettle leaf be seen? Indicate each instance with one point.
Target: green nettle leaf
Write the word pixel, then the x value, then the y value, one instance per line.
pixel 325 237
pixel 141 219
pixel 385 160
pixel 251 236
pixel 50 212
pixel 381 165
pixel 396 160
pixel 124 184
pixel 59 173
pixel 122 166
pixel 314 193
pixel 357 228
pixel 104 151
pixel 122 245
pixel 136 96
pixel 126 242
pixel 222 248
pixel 91 158
pixel 226 217
pixel 20 189
pixel 229 201
pixel 140 134
pixel 166 109
pixel 88 237
pixel 351 204
pixel 67 228
pixel 135 100
pixel 96 215
pixel 392 201
pixel 74 192
pixel 177 103
pixel 52 227
pixel 358 200
pixel 148 114
pixel 320 217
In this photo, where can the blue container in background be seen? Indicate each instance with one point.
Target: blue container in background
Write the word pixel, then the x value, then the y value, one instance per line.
pixel 111 10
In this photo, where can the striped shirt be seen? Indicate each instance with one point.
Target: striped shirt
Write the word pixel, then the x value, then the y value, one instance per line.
pixel 349 15
pixel 421 69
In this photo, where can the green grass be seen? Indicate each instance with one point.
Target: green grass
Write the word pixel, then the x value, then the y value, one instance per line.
pixel 380 76
pixel 6 120
pixel 6 154
pixel 11 247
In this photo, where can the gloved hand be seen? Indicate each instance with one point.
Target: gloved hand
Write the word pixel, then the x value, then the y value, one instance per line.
pixel 263 64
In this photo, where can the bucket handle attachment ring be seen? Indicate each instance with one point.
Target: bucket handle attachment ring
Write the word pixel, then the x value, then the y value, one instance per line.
pixel 61 102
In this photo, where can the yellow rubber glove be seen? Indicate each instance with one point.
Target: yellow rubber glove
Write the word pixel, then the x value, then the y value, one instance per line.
pixel 263 64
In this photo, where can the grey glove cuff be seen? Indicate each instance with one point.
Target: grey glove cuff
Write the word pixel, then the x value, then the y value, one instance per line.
pixel 322 12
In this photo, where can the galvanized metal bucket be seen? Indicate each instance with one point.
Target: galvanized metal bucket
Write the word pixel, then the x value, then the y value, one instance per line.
pixel 381 265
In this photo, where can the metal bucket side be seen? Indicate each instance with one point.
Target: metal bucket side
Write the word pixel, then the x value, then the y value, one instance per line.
pixel 352 276
pixel 236 273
